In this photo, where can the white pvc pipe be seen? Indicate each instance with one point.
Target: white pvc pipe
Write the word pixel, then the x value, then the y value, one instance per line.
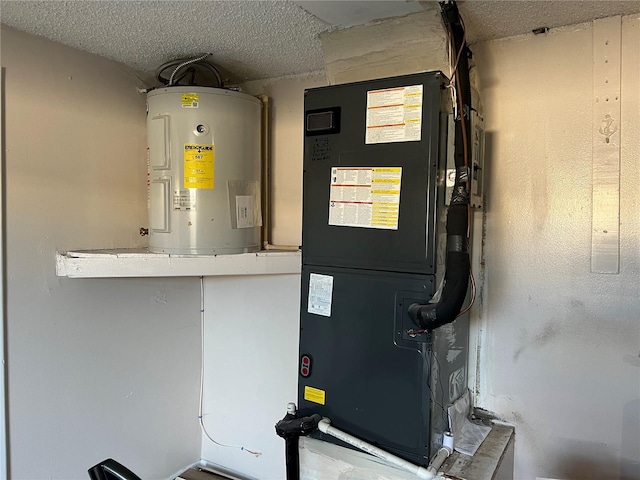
pixel 443 453
pixel 426 473
pixel 438 460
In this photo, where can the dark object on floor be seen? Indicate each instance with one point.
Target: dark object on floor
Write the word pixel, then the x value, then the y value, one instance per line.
pixel 109 469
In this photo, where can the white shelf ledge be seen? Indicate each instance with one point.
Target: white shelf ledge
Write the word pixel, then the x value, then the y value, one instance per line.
pixel 141 263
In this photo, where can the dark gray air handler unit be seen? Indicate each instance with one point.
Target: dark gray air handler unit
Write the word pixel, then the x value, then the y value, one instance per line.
pixel 373 233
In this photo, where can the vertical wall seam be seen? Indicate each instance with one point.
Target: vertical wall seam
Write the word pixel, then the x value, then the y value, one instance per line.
pixel 605 232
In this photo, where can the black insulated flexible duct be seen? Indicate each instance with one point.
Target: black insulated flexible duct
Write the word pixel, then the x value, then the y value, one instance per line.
pixel 457 268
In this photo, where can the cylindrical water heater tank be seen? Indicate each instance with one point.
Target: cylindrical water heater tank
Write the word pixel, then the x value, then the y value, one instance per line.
pixel 204 171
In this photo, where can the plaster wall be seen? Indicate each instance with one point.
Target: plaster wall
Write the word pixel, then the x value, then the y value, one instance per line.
pixel 251 362
pixel 559 349
pixel 96 368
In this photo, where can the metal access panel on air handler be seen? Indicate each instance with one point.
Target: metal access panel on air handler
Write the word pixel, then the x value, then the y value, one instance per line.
pixel 373 213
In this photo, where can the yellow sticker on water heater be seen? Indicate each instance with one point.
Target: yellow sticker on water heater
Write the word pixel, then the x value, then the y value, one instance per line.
pixel 190 100
pixel 198 166
pixel 314 395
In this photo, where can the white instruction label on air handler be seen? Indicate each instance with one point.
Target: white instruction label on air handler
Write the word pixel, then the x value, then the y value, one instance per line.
pixel 367 197
pixel 320 294
pixel 394 115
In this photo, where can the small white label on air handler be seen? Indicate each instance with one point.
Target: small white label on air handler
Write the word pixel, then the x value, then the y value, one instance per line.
pixel 367 197
pixel 394 115
pixel 320 294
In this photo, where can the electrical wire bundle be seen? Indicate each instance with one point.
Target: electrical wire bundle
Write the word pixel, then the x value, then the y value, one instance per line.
pixel 187 71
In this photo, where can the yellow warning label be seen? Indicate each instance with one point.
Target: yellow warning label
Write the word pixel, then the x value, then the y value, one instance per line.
pixel 385 192
pixel 198 166
pixel 314 395
pixel 385 180
pixel 190 100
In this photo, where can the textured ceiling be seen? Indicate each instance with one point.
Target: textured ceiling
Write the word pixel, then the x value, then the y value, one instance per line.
pixel 261 39
pixel 487 20
pixel 340 13
pixel 250 39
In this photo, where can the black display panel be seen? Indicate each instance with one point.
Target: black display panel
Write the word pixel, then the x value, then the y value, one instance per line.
pixel 325 121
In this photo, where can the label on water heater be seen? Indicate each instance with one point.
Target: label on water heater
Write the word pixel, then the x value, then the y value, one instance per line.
pixel 245 217
pixel 184 200
pixel 198 165
pixel 190 100
pixel 367 197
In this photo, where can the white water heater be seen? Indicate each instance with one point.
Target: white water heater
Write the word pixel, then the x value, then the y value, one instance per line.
pixel 204 171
